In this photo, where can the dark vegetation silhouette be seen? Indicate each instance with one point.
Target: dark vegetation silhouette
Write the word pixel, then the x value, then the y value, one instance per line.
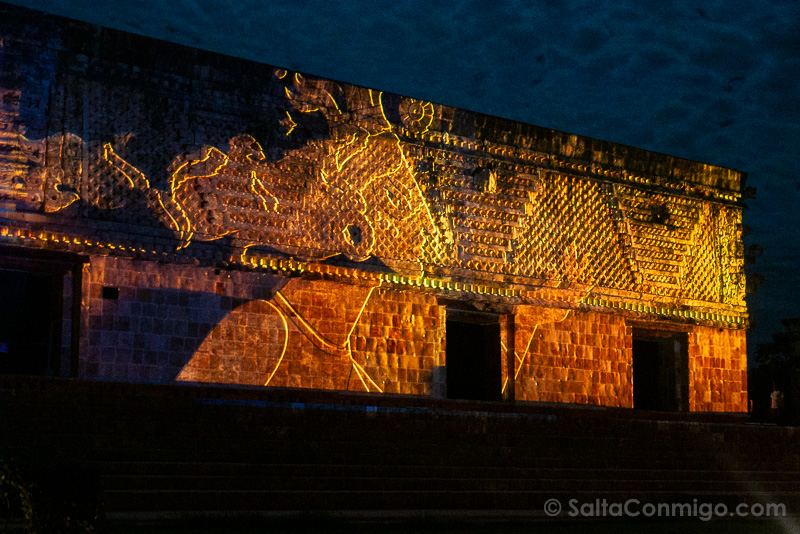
pixel 777 363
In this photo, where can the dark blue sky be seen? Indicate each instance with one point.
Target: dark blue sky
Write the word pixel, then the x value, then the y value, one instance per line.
pixel 717 82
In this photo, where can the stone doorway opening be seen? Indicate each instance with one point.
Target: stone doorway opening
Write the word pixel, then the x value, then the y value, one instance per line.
pixel 40 304
pixel 473 355
pixel 660 371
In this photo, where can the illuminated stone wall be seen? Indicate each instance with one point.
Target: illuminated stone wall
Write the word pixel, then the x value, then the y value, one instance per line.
pixel 184 323
pixel 158 149
pixel 586 358
pixel 161 316
pixel 718 370
pixel 573 356
pixel 266 227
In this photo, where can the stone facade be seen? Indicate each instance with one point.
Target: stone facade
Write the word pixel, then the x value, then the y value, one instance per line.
pixel 573 356
pixel 243 224
pixel 718 368
pixel 189 323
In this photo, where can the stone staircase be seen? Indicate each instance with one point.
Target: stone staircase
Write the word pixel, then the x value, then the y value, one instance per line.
pixel 186 452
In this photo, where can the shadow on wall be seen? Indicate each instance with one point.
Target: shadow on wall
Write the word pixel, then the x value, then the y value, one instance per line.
pixel 437 380
pixel 298 334
pixel 149 334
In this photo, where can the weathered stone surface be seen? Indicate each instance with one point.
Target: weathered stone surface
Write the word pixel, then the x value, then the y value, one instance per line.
pixel 266 227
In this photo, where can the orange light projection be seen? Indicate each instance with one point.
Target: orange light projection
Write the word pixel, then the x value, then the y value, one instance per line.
pixel 339 338
pixel 392 184
pixel 299 232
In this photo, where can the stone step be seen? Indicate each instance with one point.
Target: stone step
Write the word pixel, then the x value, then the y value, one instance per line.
pixel 162 449
pixel 616 481
pixel 198 435
pixel 318 500
pixel 284 452
pixel 432 458
pixel 422 471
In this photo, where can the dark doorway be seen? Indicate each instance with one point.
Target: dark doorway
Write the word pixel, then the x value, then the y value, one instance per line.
pixel 30 322
pixel 660 371
pixel 473 356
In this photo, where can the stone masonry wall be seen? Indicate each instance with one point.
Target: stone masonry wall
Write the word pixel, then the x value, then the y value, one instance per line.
pixel 161 316
pixel 188 323
pixel 577 357
pixel 112 143
pixel 586 358
pixel 717 370
pixel 174 322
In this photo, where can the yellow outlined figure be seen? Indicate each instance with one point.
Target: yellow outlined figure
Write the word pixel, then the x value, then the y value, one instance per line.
pixel 285 342
pixel 367 177
pixel 53 185
pixel 416 115
pixel 288 123
pixel 135 178
pixel 520 360
pixel 223 194
pixel 288 314
pixel 354 192
pixel 343 349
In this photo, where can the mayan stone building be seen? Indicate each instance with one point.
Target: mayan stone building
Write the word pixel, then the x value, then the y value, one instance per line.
pixel 172 215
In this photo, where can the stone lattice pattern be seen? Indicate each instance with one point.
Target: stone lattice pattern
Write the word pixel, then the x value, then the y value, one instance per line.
pixel 679 246
pixel 253 157
pixel 583 243
pixel 363 196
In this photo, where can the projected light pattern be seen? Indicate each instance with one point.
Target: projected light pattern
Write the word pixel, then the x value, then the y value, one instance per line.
pixel 519 361
pixel 273 229
pixel 322 334
pixel 384 182
pixel 267 365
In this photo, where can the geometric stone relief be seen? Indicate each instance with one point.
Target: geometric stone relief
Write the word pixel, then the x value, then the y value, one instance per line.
pixel 367 188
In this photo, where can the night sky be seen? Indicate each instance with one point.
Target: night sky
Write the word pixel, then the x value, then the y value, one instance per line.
pixel 715 82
